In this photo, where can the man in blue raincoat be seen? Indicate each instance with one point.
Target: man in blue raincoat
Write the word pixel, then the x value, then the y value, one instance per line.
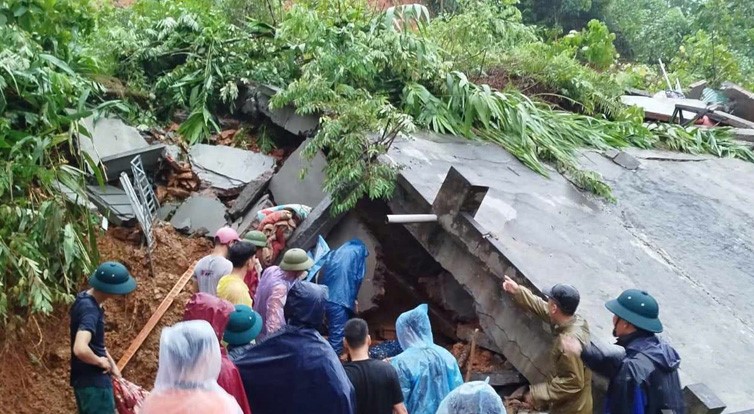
pixel 644 378
pixel 427 372
pixel 342 273
pixel 294 370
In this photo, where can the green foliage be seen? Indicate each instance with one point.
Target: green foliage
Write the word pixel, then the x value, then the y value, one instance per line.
pixel 563 14
pixel 592 45
pixel 42 254
pixel 52 24
pixel 701 57
pixel 647 30
pixel 372 76
pixel 474 39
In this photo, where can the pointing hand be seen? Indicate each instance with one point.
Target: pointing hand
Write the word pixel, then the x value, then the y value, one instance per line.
pixel 510 286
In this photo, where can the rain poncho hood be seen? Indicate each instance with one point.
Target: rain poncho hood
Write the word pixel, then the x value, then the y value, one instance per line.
pixel 188 367
pixel 476 397
pixel 427 372
pixel 216 311
pixel 294 370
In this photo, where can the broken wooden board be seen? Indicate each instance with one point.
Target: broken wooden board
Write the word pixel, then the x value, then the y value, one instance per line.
pixel 661 109
pixel 156 316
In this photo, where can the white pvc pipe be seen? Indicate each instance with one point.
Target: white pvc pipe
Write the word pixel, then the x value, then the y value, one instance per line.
pixel 411 218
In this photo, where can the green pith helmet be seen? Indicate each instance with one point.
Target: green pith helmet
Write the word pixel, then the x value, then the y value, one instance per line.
pixel 112 278
pixel 638 308
pixel 257 238
pixel 296 260
pixel 243 326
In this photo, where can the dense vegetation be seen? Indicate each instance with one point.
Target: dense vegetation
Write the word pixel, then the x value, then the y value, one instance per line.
pixel 371 75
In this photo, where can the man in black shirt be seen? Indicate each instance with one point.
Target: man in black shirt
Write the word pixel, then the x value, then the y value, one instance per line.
pixel 91 364
pixel 378 390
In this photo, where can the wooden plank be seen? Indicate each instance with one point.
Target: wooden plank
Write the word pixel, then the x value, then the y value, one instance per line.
pixel 156 316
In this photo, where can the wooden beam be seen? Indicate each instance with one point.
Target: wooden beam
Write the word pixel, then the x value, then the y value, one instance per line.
pixel 156 316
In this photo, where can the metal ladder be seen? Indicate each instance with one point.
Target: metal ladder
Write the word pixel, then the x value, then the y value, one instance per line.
pixel 144 203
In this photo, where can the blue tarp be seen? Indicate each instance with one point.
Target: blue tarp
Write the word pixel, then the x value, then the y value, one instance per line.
pixel 295 370
pixel 342 273
pixel 427 372
pixel 319 255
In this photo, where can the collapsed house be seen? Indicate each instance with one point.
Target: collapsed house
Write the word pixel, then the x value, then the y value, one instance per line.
pixel 681 229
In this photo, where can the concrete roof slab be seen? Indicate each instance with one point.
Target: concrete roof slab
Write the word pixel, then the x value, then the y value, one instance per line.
pixel 682 229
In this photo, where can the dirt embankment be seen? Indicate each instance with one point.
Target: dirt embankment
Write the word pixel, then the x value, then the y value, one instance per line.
pixel 34 366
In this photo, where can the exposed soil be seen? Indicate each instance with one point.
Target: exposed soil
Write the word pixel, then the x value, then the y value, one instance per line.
pixel 501 79
pixel 34 366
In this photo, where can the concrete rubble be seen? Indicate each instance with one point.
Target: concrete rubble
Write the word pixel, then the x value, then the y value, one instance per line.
pixel 199 214
pixel 287 187
pixel 113 203
pixel 675 231
pixel 228 168
pixel 114 144
pixel 741 100
pixel 286 117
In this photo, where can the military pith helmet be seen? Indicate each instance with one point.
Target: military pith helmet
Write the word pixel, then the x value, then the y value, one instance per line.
pixel 257 238
pixel 243 326
pixel 112 278
pixel 638 308
pixel 296 260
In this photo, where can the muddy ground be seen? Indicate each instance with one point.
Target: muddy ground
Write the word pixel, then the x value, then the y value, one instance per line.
pixel 34 367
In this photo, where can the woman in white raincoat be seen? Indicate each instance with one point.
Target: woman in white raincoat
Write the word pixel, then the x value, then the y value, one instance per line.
pixel 187 374
pixel 475 397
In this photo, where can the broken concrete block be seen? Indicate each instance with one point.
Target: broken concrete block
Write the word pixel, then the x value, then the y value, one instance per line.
pixel 699 399
pixel 250 193
pixel 73 196
pixel 741 100
pixel 199 214
pixel 108 137
pixel 372 289
pixel 113 203
pixel 118 163
pixel 696 89
pixel 626 161
pixel 611 153
pixel 249 220
pixel 166 210
pixel 319 221
pixel 286 186
pixel 228 168
pixel 286 117
pixel 445 290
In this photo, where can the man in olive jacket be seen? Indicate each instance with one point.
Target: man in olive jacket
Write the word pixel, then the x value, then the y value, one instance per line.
pixel 568 389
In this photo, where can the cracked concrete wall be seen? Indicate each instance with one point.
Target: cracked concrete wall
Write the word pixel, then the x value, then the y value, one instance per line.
pixel 524 339
pixel 682 229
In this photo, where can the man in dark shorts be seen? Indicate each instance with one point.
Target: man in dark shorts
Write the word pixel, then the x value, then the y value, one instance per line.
pixel 91 364
pixel 378 390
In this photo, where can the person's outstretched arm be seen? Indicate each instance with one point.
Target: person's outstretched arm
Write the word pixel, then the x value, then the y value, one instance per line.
pixel 526 299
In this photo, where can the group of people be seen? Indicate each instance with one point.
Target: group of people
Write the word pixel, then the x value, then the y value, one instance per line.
pixel 643 370
pixel 250 342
